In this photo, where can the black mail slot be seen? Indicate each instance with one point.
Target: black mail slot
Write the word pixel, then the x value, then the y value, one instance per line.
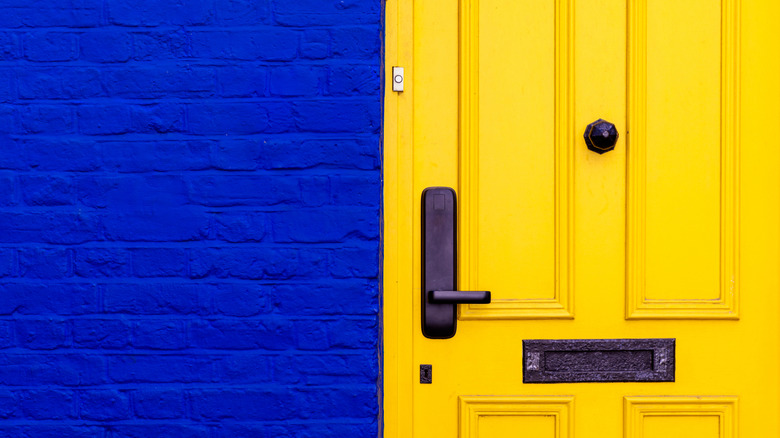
pixel 598 360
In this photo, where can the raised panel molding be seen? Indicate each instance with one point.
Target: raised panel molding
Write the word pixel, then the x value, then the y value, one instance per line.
pixel 561 305
pixel 726 306
pixel 638 409
pixel 471 408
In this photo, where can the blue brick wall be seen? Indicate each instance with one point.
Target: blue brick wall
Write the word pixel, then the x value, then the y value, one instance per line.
pixel 190 196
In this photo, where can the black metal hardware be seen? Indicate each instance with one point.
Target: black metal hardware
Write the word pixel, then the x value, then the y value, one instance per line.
pixel 598 360
pixel 439 261
pixel 458 297
pixel 601 136
pixel 426 373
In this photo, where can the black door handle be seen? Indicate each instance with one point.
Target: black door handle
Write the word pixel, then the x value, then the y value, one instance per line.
pixel 439 265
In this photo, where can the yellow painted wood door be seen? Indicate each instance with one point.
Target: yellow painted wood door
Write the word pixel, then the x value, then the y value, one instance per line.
pixel 674 234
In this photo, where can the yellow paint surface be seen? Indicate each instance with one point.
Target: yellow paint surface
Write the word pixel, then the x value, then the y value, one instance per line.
pixel 674 234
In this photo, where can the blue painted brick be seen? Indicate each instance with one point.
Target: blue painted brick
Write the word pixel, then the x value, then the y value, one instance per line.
pixel 104 119
pixel 8 195
pixel 159 431
pixel 150 83
pixel 190 241
pixel 152 45
pixel 249 81
pixel 137 368
pixel 296 81
pixel 48 298
pixel 50 119
pixel 155 13
pixel 47 404
pixel 156 156
pixel 270 44
pixel 241 226
pixel 157 298
pixel 67 155
pixel 8 404
pixel 269 334
pixel 47 263
pixel 47 190
pixel 106 46
pixel 101 262
pixel 159 335
pixel 159 262
pixel 51 46
pixel 158 118
pixel 101 333
pixel 46 334
pixel 159 403
pixel 7 262
pixel 104 405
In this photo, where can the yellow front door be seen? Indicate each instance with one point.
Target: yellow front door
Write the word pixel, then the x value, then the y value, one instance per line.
pixel 672 237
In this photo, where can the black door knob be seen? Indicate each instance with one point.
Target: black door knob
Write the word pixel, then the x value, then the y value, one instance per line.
pixel 601 136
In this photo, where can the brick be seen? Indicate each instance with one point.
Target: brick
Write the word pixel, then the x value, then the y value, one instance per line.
pixel 162 118
pixel 336 116
pixel 159 335
pixel 57 369
pixel 356 190
pixel 355 263
pixel 131 193
pixel 62 155
pixel 325 225
pixel 57 13
pixel 159 404
pixel 101 333
pixel 244 263
pixel 137 368
pixel 48 263
pixel 241 299
pixel 42 334
pixel 102 405
pixel 233 118
pixel 48 298
pixel 241 154
pixel 355 297
pixel 51 46
pixel 327 369
pixel 244 190
pixel 156 156
pixel 315 44
pixel 152 83
pixel 241 226
pixel 106 46
pixel 319 13
pixel 296 81
pixel 161 224
pixel 242 12
pixel 59 83
pixel 311 335
pixel 104 119
pixel 338 153
pixel 355 42
pixel 7 83
pixel 249 81
pixel 354 80
pixel 7 262
pixel 10 47
pixel 9 123
pixel 47 404
pixel 270 44
pixel 159 262
pixel 157 298
pixel 351 333
pixel 8 196
pixel 321 403
pixel 49 431
pixel 47 190
pixel 50 119
pixel 246 368
pixel 8 404
pixel 153 45
pixel 154 13
pixel 248 404
pixel 57 227
pixel 268 334
pixel 159 431
pixel 101 262
pixel 7 338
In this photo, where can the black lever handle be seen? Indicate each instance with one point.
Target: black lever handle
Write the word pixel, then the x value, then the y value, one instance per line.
pixel 440 296
pixel 459 297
